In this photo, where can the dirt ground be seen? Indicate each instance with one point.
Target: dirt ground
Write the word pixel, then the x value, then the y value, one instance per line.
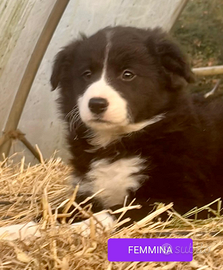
pixel 200 31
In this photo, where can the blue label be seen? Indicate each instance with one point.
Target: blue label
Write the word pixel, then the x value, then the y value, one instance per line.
pixel 150 249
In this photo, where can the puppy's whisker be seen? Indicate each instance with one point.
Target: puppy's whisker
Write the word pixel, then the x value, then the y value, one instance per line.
pixel 78 125
pixel 71 112
pixel 69 115
pixel 73 118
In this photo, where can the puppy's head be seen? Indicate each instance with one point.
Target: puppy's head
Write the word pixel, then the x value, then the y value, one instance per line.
pixel 120 77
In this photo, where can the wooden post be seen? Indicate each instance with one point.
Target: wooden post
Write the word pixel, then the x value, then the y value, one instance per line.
pixel 208 71
pixel 31 70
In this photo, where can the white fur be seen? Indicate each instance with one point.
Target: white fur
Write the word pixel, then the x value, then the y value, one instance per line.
pixel 105 219
pixel 31 229
pixel 114 179
pixel 19 231
pixel 107 49
pixel 103 138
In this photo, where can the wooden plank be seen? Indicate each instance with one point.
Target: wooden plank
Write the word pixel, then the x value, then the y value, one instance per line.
pixel 18 37
pixel 13 17
pixel 208 71
pixel 31 69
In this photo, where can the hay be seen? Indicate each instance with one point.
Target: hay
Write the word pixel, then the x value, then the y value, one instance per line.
pixel 26 191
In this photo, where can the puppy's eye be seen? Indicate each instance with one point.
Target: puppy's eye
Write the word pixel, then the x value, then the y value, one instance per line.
pixel 128 75
pixel 87 75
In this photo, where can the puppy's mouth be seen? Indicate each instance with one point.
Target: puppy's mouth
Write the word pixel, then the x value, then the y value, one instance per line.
pixel 100 124
pixel 98 120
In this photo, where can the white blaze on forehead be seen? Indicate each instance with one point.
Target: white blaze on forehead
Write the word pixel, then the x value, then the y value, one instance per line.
pixel 116 112
pixel 107 50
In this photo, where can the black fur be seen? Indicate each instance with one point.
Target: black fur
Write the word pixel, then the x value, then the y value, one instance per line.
pixel 184 151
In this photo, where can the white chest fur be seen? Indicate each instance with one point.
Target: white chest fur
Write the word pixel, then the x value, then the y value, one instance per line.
pixel 115 179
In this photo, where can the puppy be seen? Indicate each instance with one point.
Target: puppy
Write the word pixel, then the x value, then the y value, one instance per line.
pixel 134 130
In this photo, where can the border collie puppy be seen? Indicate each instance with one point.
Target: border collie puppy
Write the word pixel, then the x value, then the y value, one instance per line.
pixel 134 130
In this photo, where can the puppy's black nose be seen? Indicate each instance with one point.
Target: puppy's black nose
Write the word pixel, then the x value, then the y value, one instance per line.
pixel 98 105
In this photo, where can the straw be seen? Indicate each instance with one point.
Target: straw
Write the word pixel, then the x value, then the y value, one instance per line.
pixel 28 191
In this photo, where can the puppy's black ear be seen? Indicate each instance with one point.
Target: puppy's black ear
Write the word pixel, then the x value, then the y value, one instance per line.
pixel 58 68
pixel 63 64
pixel 170 56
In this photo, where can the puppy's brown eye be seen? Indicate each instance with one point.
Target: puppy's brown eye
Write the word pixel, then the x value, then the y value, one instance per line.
pixel 87 75
pixel 128 75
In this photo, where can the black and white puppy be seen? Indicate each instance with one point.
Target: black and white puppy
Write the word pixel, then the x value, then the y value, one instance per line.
pixel 134 130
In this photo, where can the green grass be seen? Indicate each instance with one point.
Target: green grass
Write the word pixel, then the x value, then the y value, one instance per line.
pixel 200 32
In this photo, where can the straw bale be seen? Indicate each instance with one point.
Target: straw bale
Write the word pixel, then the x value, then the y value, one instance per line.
pixel 28 191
